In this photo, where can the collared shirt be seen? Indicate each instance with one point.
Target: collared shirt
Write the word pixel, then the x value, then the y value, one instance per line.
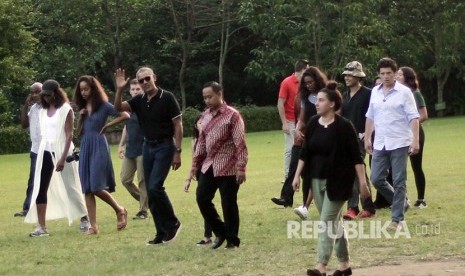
pixel 156 116
pixel 221 143
pixel 391 114
pixel 288 92
pixel 34 127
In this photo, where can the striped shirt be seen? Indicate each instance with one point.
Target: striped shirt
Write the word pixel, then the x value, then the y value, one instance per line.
pixel 221 143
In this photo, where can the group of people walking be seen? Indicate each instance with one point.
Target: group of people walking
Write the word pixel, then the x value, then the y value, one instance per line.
pixel 327 136
pixel 65 185
pixel 336 131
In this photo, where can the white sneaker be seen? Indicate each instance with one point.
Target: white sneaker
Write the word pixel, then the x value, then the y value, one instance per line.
pixel 84 225
pixel 39 232
pixel 302 212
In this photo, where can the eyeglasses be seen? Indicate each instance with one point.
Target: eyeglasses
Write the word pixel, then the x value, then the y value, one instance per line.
pixel 144 80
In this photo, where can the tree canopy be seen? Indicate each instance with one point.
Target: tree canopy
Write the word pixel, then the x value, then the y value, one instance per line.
pixel 247 45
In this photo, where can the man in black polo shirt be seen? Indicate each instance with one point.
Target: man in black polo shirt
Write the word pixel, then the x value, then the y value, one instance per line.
pixel 160 120
pixel 356 100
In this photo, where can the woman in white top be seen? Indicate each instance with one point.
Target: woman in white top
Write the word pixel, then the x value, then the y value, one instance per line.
pixel 57 190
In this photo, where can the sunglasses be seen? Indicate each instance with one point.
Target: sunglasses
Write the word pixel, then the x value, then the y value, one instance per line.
pixel 350 68
pixel 144 80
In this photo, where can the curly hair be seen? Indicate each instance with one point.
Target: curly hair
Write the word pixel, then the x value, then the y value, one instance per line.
pixel 97 94
pixel 318 76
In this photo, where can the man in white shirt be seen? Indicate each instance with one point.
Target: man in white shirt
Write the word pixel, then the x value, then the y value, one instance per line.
pixel 393 114
pixel 30 118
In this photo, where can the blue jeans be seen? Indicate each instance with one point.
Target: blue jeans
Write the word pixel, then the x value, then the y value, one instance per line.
pixel 395 194
pixel 157 160
pixel 30 182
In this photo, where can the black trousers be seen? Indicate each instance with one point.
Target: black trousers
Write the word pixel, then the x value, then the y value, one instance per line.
pixel 287 192
pixel 416 162
pixel 207 186
pixel 45 177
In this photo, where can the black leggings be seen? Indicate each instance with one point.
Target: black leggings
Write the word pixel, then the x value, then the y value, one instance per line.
pixel 45 177
pixel 416 162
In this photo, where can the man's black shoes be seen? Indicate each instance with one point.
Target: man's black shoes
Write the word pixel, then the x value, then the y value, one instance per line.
pixel 280 201
pixel 173 233
pixel 218 242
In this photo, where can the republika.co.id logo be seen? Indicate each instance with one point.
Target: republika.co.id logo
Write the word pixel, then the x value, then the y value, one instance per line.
pixel 373 229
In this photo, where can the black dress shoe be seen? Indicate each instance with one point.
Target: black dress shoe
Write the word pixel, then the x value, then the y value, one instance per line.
pixel 344 272
pixel 315 272
pixel 231 245
pixel 280 201
pixel 158 240
pixel 218 242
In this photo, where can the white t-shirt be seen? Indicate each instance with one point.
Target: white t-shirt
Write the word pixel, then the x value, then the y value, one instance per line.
pixel 50 134
pixel 34 128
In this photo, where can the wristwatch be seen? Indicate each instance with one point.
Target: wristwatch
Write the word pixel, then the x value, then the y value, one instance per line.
pixel 178 150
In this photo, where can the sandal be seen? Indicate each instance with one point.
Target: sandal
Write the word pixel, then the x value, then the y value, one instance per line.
pixel 93 230
pixel 122 217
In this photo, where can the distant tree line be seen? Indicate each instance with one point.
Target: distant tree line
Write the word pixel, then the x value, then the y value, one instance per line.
pixel 247 45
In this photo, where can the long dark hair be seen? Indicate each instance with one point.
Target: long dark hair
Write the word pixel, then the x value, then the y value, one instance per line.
pixel 410 78
pixel 97 94
pixel 59 98
pixel 318 76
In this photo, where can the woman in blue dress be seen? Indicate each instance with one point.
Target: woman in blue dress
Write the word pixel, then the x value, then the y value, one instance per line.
pixel 95 166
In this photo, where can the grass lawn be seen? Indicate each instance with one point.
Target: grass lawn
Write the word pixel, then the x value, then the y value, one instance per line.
pixel 436 232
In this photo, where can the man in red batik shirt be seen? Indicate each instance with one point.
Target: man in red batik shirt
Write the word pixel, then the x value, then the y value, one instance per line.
pixel 221 156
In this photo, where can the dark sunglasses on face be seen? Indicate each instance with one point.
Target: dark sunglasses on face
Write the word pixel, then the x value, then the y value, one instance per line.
pixel 143 80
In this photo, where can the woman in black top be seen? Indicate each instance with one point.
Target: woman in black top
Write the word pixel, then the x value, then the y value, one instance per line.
pixel 332 161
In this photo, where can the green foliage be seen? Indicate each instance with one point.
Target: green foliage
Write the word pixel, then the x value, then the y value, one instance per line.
pixel 256 118
pixel 14 139
pixel 16 49
pixel 260 118
pixel 5 114
pixel 189 115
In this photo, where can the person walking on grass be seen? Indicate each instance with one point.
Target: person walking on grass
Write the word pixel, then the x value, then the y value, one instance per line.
pixel 330 161
pixel 288 91
pixel 408 77
pixel 187 183
pixel 130 150
pixel 30 119
pixel 220 158
pixel 57 190
pixel 95 166
pixel 355 101
pixel 312 81
pixel 394 115
pixel 160 120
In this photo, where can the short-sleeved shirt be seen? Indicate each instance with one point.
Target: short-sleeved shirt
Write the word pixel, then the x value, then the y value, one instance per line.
pixel 288 92
pixel 156 116
pixel 34 127
pixel 134 137
pixel 356 107
pixel 419 100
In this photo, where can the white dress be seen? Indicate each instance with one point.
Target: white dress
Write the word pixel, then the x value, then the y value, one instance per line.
pixel 64 196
